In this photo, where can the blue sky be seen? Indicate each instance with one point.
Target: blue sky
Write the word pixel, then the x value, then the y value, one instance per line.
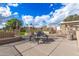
pixel 37 14
pixel 36 9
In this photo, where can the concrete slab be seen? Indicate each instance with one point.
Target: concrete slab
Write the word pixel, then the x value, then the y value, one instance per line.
pixel 41 49
pixel 8 51
pixel 26 46
pixel 66 48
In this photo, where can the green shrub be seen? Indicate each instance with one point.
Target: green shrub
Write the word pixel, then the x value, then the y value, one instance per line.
pixel 23 30
pixel 22 33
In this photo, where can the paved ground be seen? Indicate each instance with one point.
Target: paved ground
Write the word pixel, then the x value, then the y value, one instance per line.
pixel 56 47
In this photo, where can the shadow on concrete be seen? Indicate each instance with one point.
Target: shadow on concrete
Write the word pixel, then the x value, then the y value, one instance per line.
pixel 49 41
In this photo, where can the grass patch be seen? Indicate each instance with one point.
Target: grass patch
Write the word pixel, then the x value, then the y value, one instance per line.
pixel 23 33
pixel 1 30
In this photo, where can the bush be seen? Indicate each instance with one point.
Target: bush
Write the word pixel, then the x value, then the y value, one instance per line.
pixel 22 33
pixel 23 30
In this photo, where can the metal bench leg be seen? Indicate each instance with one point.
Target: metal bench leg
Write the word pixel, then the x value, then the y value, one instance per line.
pixel 30 38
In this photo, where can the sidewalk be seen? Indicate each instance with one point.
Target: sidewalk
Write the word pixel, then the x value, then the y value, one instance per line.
pixel 66 48
pixel 59 47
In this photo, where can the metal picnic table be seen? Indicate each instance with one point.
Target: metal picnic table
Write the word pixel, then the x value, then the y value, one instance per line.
pixel 39 36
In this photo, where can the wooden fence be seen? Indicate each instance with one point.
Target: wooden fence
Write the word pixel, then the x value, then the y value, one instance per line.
pixel 6 34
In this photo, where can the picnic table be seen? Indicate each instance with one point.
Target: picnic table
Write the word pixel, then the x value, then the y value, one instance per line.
pixel 39 36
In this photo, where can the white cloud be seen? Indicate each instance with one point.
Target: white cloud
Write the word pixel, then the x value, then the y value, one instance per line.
pixel 51 13
pixel 37 21
pixel 5 11
pixel 65 4
pixel 60 14
pixel 13 4
pixel 15 13
pixel 42 18
pixel 51 5
pixel 2 25
pixel 27 19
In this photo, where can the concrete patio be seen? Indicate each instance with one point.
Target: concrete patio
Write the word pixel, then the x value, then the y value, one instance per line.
pixel 59 47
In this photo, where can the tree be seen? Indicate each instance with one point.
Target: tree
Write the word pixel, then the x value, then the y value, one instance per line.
pixel 72 18
pixel 13 24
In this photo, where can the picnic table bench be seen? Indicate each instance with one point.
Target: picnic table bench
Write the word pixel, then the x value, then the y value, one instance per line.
pixel 38 36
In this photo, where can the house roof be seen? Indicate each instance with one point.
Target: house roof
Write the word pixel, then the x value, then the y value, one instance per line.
pixel 70 22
